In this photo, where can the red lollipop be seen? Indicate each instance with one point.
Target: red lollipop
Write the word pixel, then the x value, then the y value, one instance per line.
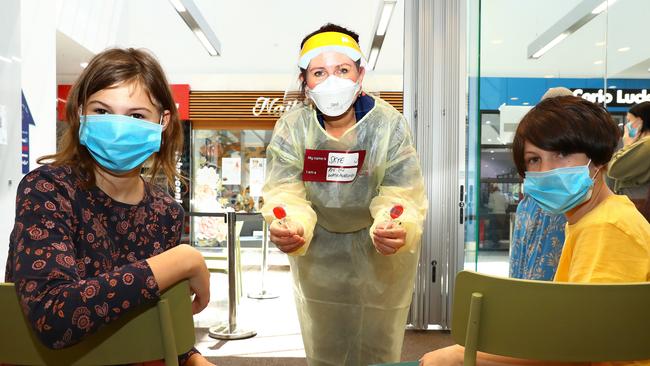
pixel 396 211
pixel 279 212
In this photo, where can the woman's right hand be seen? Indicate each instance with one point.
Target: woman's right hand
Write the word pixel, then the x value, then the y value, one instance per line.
pixel 179 263
pixel 288 236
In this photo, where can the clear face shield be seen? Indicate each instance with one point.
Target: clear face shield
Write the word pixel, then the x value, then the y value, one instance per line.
pixel 330 74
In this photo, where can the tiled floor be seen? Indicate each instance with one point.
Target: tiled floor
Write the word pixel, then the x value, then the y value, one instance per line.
pixel 274 320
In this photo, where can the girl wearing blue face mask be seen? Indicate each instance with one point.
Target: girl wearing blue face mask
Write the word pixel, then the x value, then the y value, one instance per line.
pixel 630 166
pixel 561 148
pixel 91 236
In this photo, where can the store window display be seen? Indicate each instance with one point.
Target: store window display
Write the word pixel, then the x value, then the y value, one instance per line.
pixel 607 239
pixel 337 166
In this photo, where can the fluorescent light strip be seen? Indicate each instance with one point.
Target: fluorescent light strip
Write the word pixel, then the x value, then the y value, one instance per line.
pixel 7 60
pixel 178 6
pixel 550 45
pixel 372 59
pixel 603 6
pixel 205 42
pixel 385 18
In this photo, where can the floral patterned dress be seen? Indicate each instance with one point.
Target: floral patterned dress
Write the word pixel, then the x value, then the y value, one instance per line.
pixel 537 241
pixel 78 257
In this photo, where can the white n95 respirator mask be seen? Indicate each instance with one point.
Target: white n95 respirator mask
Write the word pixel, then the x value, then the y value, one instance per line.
pixel 334 95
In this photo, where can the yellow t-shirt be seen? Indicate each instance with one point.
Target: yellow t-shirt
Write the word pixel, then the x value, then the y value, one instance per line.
pixel 609 244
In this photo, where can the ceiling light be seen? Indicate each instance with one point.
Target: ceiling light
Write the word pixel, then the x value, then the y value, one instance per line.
pixel 488 122
pixel 580 15
pixel 204 41
pixel 384 19
pixel 549 45
pixel 611 87
pixel 598 62
pixel 525 103
pixel 83 65
pixel 489 140
pixel 549 76
pixel 623 49
pixel 193 17
pixel 602 6
pixel 491 151
pixel 17 59
pixel 381 26
pixel 600 44
pixel 514 98
pixel 372 58
pixel 178 6
pixel 497 41
pixel 7 60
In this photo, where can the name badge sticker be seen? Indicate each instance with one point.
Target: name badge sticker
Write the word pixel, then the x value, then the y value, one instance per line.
pixel 332 166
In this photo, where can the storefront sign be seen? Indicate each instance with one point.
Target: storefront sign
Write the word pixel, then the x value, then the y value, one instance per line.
pixel 614 97
pixel 272 106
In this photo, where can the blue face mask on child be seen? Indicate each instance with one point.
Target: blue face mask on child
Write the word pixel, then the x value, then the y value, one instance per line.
pixel 559 190
pixel 119 143
pixel 631 131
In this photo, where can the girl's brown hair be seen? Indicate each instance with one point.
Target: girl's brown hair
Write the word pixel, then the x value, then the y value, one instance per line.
pixel 107 69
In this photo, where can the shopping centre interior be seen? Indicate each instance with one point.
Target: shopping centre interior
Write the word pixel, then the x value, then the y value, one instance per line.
pixel 233 81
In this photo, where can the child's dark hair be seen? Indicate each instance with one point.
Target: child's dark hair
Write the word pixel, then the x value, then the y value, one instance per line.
pixel 567 124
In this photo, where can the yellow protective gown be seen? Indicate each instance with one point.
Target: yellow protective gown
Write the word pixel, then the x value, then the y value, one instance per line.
pixel 352 301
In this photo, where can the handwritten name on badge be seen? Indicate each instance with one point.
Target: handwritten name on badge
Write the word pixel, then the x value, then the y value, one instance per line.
pixel 343 159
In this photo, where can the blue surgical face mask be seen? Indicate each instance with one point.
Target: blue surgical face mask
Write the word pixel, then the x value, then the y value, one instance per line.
pixel 559 190
pixel 119 143
pixel 631 131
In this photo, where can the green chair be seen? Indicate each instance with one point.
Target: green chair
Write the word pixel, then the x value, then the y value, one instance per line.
pixel 551 321
pixel 158 331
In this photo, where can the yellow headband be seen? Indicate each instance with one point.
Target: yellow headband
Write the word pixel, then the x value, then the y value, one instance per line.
pixel 328 41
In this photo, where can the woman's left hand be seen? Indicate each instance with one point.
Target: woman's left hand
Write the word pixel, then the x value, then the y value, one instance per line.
pixel 388 238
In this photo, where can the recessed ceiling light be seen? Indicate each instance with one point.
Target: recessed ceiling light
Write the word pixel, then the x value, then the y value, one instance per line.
pixel 623 49
pixel 491 151
pixel 489 140
pixel 492 158
pixel 488 122
pixel 5 59
pixel 83 65
pixel 17 59
pixel 600 44
pixel 525 103
pixel 598 62
pixel 611 87
pixel 514 98
pixel 497 41
pixel 549 76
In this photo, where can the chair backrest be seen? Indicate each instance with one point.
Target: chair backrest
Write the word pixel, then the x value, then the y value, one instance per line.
pixel 159 331
pixel 551 321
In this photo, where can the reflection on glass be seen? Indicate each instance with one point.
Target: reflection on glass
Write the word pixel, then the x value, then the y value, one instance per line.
pixel 228 171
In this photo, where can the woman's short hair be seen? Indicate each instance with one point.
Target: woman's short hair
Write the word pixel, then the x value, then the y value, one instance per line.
pixel 569 125
pixel 642 110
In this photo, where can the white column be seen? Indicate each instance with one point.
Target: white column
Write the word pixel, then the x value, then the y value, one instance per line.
pixel 38 74
pixel 10 113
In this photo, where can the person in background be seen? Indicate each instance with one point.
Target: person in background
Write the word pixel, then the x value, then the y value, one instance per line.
pixel 538 234
pixel 92 239
pixel 607 239
pixel 338 166
pixel 630 166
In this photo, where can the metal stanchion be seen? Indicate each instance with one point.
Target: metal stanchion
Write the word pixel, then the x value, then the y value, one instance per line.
pixel 263 294
pixel 230 331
